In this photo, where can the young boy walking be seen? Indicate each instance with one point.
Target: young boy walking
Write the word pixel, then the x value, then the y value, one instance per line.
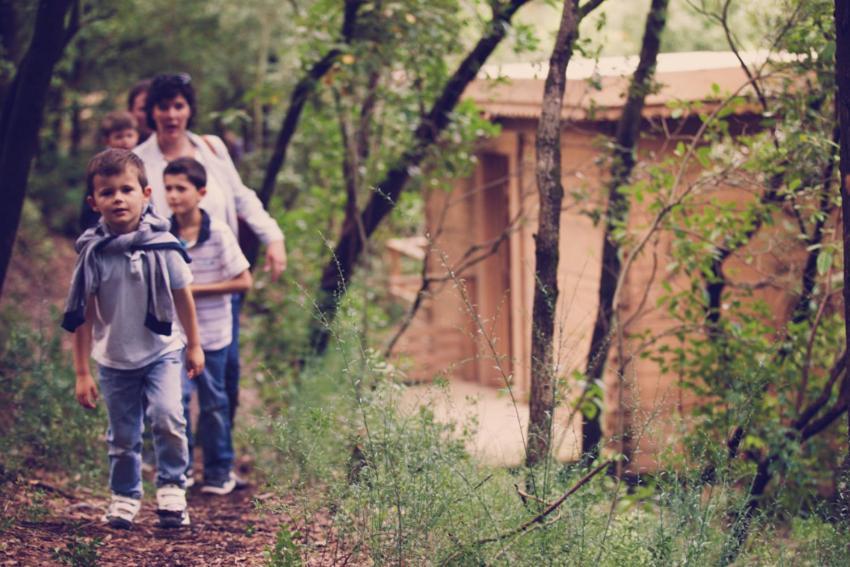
pixel 219 269
pixel 130 279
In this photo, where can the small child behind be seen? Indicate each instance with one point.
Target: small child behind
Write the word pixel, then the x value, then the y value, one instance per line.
pixel 130 278
pixel 219 269
pixel 118 130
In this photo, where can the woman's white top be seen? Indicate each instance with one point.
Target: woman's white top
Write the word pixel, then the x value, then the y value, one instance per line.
pixel 227 198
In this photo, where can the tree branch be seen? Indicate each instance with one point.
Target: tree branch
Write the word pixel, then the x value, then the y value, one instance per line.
pixel 302 91
pixel 340 267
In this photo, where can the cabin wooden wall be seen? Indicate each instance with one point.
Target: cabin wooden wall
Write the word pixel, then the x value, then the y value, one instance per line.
pixel 495 342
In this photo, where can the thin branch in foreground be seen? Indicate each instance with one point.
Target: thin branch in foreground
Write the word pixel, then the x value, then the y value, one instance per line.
pixel 541 516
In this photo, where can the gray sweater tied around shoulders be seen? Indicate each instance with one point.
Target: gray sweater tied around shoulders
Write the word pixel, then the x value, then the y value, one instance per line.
pixel 153 238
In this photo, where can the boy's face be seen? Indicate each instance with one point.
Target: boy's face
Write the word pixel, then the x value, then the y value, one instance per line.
pixel 123 139
pixel 181 194
pixel 120 199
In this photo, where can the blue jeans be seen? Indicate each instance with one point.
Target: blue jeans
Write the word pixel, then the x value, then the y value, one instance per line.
pixel 231 370
pixel 214 418
pixel 123 391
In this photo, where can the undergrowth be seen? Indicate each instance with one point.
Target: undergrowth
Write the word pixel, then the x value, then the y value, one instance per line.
pixel 43 426
pixel 402 488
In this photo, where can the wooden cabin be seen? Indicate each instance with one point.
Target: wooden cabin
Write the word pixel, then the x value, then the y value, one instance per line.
pixel 476 326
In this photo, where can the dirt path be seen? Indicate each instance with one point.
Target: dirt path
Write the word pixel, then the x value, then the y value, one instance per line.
pixel 51 525
pixel 41 524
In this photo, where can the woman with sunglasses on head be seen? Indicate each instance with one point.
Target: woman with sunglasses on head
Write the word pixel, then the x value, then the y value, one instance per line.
pixel 170 108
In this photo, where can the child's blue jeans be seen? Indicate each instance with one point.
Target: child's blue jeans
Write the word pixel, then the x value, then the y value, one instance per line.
pixel 122 391
pixel 214 417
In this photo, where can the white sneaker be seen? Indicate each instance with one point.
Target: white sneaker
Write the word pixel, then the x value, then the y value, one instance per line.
pixel 222 488
pixel 171 506
pixel 122 511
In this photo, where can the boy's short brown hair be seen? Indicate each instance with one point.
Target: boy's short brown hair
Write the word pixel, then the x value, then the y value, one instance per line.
pixel 191 168
pixel 117 121
pixel 114 161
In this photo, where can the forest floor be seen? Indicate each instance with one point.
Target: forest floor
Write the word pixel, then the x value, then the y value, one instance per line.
pixel 49 525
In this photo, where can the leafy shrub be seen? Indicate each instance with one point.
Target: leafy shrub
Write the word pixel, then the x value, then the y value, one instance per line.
pixel 42 424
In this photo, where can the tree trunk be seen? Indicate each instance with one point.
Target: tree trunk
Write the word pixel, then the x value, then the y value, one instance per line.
pixel 339 268
pixel 842 80
pixel 628 131
pixel 22 113
pixel 10 31
pixel 547 240
pixel 303 89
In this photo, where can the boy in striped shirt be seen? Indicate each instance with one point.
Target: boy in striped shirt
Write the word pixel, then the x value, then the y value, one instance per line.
pixel 219 269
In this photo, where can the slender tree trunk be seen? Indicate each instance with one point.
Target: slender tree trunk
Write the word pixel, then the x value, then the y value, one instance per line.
pixel 842 80
pixel 303 89
pixel 628 132
pixel 22 113
pixel 547 240
pixel 340 267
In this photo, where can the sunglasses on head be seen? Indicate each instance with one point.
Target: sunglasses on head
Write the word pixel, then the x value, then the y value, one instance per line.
pixel 177 78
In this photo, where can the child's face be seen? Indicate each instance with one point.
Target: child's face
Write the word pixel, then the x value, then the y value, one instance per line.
pixel 120 199
pixel 123 139
pixel 181 194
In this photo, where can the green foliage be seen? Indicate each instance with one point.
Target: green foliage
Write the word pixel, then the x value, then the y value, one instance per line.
pixel 285 552
pixel 754 366
pixel 42 424
pixel 79 552
pixel 401 488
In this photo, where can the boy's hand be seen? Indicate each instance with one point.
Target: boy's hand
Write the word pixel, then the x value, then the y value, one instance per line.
pixel 194 361
pixel 275 259
pixel 86 391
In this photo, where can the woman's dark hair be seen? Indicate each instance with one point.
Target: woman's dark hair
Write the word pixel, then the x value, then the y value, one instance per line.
pixel 142 86
pixel 166 87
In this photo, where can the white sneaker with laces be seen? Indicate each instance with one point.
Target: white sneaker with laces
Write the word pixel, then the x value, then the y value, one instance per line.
pixel 171 506
pixel 122 511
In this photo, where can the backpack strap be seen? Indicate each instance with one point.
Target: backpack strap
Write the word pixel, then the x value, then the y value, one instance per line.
pixel 210 146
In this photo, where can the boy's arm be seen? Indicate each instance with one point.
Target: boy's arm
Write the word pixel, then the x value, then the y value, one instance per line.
pixel 185 306
pixel 85 390
pixel 239 284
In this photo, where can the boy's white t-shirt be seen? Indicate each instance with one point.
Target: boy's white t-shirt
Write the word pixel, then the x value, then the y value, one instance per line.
pixel 216 259
pixel 120 338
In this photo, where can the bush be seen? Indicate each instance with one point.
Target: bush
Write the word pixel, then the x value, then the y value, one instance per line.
pixel 42 424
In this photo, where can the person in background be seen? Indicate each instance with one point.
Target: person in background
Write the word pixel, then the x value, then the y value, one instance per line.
pixel 136 99
pixel 219 269
pixel 130 280
pixel 117 130
pixel 170 110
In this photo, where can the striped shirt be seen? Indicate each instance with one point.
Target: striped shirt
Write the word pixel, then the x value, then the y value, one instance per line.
pixel 216 257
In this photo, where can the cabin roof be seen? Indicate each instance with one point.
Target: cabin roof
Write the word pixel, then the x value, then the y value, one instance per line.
pixel 596 89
